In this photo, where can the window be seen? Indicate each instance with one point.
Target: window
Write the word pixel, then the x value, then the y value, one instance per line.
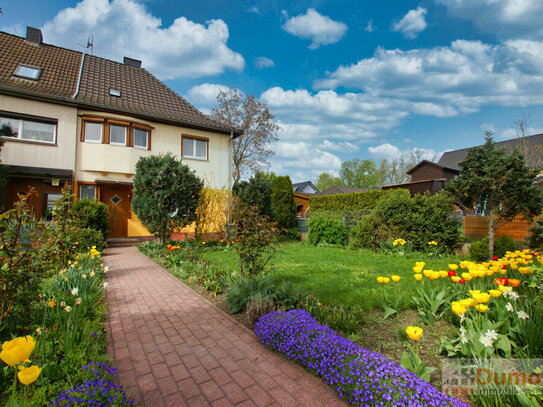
pixel 115 92
pixel 141 137
pixel 31 130
pixel 51 199
pixel 93 132
pixel 117 134
pixel 87 191
pixel 195 148
pixel 27 72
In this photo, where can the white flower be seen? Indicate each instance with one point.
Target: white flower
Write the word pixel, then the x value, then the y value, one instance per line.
pixel 38 331
pixel 63 304
pixel 106 269
pixel 463 330
pixel 77 301
pixel 513 295
pixel 463 339
pixel 83 276
pixel 91 274
pixel 509 307
pixel 492 335
pixel 522 315
pixel 68 308
pixel 106 284
pixel 75 291
pixel 486 341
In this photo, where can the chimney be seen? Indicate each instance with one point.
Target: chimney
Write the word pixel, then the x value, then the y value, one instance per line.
pixel 33 36
pixel 132 62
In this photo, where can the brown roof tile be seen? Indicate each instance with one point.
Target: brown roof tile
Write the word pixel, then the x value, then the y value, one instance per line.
pixel 141 93
pixel 60 67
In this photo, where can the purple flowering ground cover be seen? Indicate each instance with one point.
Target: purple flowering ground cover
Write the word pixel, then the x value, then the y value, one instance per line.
pixel 362 377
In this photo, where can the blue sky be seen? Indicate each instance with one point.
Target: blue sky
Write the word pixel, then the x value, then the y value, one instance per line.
pixel 345 79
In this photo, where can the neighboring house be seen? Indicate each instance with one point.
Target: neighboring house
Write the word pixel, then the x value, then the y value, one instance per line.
pixel 426 176
pixel 86 120
pixel 306 187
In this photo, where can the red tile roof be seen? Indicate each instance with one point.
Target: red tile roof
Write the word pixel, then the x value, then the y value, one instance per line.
pixel 142 94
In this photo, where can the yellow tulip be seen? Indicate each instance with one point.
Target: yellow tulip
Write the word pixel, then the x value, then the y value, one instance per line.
pixel 495 293
pixel 455 279
pixel 418 277
pixel 17 350
pixel 52 303
pixel 380 280
pixel 417 269
pixel 458 308
pixel 481 307
pixel 453 267
pixel 386 280
pixel 481 298
pixel 467 276
pixel 468 302
pixel 28 375
pixel 395 278
pixel 443 274
pixel 414 332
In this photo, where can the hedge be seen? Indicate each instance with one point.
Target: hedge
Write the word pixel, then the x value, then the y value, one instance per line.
pixel 356 201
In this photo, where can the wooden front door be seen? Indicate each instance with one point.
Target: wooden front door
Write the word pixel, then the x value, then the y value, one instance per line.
pixel 116 197
pixel 21 186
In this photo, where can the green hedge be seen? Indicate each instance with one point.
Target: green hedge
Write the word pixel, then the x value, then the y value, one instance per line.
pixel 356 201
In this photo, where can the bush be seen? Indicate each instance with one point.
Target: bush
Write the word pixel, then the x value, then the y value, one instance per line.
pixel 326 230
pixel 479 250
pixel 243 291
pixel 360 376
pixel 283 203
pixel 357 201
pixel 504 244
pixel 91 214
pixel 535 240
pixel 256 192
pixel 85 238
pixel 418 219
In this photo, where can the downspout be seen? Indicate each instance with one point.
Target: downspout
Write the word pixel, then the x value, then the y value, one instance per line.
pixel 229 202
pixel 77 138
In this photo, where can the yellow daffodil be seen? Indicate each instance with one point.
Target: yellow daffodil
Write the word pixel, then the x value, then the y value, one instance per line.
pixel 17 350
pixel 28 375
pixel 414 332
pixel 395 278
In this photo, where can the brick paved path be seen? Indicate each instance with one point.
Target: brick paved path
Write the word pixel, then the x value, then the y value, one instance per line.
pixel 174 348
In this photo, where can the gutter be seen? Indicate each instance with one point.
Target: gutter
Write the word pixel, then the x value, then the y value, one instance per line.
pixel 79 78
pixel 229 192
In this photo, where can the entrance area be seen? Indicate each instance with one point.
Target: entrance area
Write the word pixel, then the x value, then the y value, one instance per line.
pixel 117 198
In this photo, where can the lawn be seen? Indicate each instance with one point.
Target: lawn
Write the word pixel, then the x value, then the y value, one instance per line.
pixel 339 275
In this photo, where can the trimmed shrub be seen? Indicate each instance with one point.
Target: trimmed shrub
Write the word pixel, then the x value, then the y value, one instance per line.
pixel 503 244
pixel 91 214
pixel 256 192
pixel 283 203
pixel 479 250
pixel 356 201
pixel 327 230
pixel 535 240
pixel 360 376
pixel 85 238
pixel 419 220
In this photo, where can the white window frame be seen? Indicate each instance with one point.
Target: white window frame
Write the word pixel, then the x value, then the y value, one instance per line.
pixel 22 67
pixel 85 122
pixel 193 155
pixel 147 132
pixel 20 126
pixel 125 134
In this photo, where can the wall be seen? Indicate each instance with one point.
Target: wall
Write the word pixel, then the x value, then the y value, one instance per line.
pixel 427 172
pixel 117 163
pixel 35 154
pixel 304 201
pixel 476 227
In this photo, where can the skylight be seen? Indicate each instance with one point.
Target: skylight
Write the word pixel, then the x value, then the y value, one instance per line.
pixel 115 92
pixel 27 72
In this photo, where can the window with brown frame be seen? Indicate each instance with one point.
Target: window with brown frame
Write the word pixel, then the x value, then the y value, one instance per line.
pixel 92 131
pixel 195 147
pixel 115 132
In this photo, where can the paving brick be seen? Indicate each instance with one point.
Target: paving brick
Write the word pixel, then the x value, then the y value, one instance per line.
pixel 174 348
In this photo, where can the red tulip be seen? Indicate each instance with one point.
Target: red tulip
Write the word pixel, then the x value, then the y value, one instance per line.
pixel 452 273
pixel 462 281
pixel 501 281
pixel 504 267
pixel 494 257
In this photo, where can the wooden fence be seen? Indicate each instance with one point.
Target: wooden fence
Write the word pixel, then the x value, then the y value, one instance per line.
pixel 476 227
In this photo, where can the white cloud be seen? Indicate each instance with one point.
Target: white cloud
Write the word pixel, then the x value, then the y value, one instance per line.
pixel 369 28
pixel 264 62
pixel 506 18
pixel 412 23
pixel 125 28
pixel 17 29
pixel 321 30
pixel 205 94
pixel 254 10
pixel 446 81
pixel 339 146
pixel 391 152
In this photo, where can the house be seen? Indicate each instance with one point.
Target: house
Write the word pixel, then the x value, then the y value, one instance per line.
pixel 426 176
pixel 87 120
pixel 306 187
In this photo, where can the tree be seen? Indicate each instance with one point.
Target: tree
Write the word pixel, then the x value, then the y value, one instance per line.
pixel 283 203
pixel 392 172
pixel 166 194
pixel 326 181
pixel 500 179
pixel 256 192
pixel 359 174
pixel 251 150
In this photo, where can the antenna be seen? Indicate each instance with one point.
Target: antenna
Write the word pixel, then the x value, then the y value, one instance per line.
pixel 90 44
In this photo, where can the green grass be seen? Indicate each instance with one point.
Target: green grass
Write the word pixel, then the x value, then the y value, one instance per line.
pixel 340 275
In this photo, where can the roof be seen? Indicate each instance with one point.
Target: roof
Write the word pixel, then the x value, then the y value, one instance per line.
pixel 299 186
pixel 142 95
pixel 339 189
pixel 452 158
pixel 426 162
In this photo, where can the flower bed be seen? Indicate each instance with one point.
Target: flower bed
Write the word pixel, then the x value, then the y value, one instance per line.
pixel 360 376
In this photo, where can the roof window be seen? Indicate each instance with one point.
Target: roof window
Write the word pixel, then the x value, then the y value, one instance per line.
pixel 115 92
pixel 27 72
